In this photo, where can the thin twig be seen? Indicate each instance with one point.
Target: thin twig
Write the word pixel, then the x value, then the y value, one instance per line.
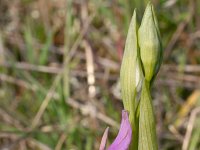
pixel 32 67
pixel 46 101
pixel 87 109
pixel 2 59
pixel 90 69
pixel 61 141
pixel 7 118
pixel 186 68
pixel 190 127
pixel 16 81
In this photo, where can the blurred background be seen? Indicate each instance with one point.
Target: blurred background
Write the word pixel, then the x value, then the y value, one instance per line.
pixel 59 72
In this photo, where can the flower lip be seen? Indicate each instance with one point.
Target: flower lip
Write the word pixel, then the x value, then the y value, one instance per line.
pixel 123 138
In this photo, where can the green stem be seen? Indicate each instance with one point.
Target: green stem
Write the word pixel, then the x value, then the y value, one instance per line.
pixel 147 126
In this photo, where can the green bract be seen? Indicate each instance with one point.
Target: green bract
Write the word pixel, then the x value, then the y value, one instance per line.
pixel 131 74
pixel 149 42
pixel 140 65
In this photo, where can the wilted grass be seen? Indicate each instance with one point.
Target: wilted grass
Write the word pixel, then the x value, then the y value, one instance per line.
pixel 34 46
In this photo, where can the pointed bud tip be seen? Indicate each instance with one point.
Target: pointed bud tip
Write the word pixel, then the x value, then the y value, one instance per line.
pixel 148 15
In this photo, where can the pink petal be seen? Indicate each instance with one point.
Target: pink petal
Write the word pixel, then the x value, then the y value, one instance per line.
pixel 104 139
pixel 123 138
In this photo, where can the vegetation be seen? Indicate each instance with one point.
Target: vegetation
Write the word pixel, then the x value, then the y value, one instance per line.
pixel 60 65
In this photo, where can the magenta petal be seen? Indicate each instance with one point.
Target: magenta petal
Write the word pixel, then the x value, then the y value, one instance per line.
pixel 123 138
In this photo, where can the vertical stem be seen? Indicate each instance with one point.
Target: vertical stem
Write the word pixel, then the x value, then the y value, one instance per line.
pixel 135 129
pixel 68 22
pixel 147 126
pixel 2 59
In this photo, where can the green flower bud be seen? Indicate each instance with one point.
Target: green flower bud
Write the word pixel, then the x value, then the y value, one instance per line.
pixel 150 44
pixel 131 76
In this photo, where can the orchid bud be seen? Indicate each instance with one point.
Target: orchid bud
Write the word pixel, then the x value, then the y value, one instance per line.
pixel 131 76
pixel 150 44
pixel 130 73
